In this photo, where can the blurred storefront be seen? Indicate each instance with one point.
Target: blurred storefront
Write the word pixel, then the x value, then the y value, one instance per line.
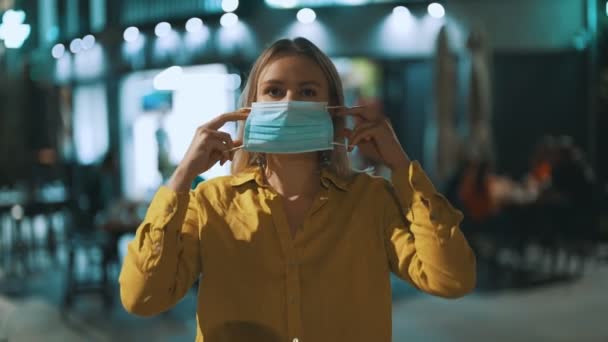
pixel 99 59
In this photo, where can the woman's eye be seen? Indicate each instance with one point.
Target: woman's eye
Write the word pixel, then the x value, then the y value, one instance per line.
pixel 309 92
pixel 274 92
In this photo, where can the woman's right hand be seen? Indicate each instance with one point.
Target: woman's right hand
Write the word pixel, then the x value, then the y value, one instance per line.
pixel 208 146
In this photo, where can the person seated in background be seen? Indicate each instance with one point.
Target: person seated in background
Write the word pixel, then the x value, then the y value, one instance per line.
pixel 478 190
pixel 475 191
pixel 541 163
pixel 571 180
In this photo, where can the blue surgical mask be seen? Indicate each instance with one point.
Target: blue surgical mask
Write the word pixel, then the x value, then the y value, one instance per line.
pixel 288 127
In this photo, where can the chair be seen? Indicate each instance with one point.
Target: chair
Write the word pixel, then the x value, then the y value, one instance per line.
pixel 92 245
pixel 87 242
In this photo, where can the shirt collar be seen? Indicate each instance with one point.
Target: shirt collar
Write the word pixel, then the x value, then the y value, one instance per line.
pixel 328 176
pixel 248 175
pixel 253 174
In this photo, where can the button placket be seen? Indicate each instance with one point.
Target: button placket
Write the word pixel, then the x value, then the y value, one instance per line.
pixel 292 281
pixel 291 263
pixel 293 301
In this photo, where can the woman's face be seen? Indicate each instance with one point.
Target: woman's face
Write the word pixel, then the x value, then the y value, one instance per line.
pixel 292 78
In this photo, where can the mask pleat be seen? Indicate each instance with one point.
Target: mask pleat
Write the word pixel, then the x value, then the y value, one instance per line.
pixel 288 127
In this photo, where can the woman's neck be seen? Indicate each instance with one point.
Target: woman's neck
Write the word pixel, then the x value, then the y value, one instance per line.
pixel 293 175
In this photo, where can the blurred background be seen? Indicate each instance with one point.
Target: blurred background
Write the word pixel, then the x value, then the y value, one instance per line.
pixel 503 102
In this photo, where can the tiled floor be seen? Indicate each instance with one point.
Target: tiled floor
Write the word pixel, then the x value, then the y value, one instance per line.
pixel 569 311
pixel 566 311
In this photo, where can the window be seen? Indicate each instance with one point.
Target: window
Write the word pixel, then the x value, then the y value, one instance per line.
pixel 90 123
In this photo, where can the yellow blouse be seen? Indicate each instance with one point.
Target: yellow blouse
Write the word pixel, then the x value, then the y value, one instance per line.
pixel 328 283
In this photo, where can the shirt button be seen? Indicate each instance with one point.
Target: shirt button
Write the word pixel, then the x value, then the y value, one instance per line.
pixel 295 339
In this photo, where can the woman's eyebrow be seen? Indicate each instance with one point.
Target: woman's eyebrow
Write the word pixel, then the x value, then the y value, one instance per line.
pixel 273 81
pixel 314 83
pixel 303 83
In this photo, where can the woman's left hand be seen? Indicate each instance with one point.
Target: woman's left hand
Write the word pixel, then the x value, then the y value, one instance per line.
pixel 373 134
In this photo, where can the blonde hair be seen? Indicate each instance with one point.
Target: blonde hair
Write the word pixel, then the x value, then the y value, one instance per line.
pixel 338 160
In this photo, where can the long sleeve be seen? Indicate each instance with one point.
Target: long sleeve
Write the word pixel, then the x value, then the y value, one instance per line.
pixel 164 258
pixel 424 243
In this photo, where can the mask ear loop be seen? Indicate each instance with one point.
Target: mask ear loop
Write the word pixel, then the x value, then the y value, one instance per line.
pixel 338 107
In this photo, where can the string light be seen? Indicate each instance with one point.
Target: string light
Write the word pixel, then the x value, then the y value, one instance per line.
pixel 194 25
pixel 58 51
pixel 306 16
pixel 162 29
pixel 131 34
pixel 229 19
pixel 230 5
pixel 436 10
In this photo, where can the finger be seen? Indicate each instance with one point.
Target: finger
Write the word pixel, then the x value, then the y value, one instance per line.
pixel 363 125
pixel 222 136
pixel 216 146
pixel 221 142
pixel 341 110
pixel 219 121
pixel 218 154
pixel 358 128
pixel 235 146
pixel 346 133
pixel 364 134
pixel 215 157
pixel 205 132
pixel 361 112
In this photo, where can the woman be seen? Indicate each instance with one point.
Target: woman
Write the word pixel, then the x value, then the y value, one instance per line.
pixel 295 246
